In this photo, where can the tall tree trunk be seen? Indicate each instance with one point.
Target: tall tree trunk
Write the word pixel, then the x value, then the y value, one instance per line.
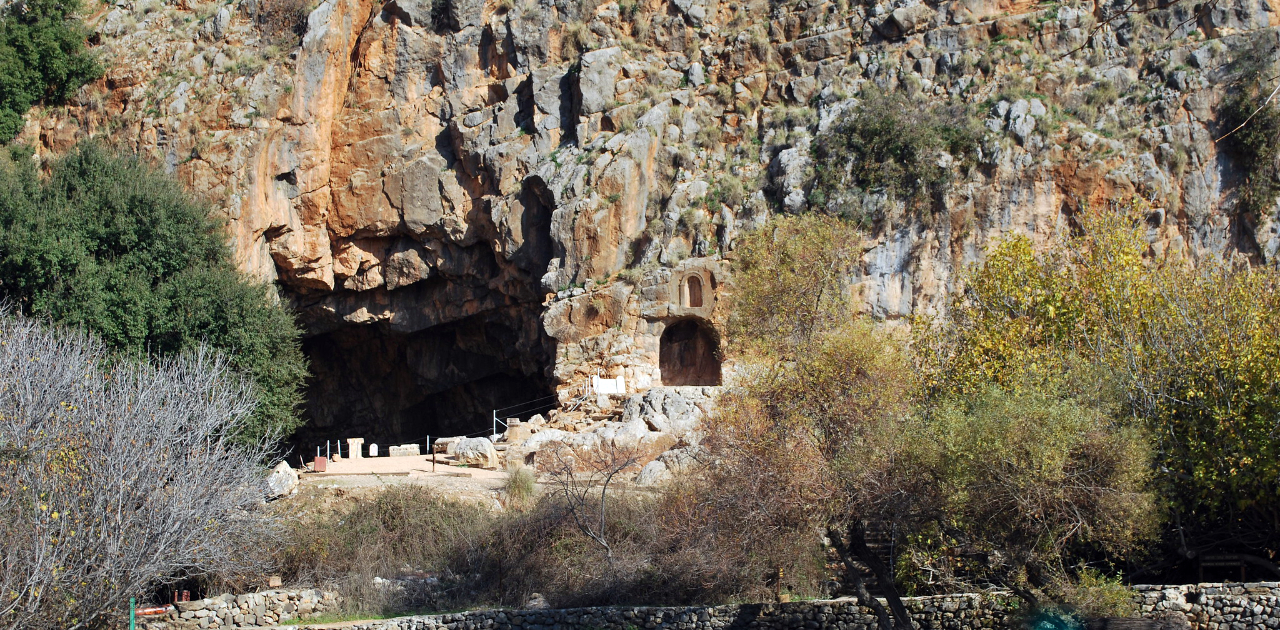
pixel 854 579
pixel 858 545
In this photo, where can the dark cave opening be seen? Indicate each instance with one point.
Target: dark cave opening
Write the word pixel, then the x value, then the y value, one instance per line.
pixel 465 342
pixel 392 387
pixel 689 354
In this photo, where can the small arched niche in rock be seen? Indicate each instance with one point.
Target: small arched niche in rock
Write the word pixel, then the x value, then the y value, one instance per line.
pixel 689 354
pixel 693 292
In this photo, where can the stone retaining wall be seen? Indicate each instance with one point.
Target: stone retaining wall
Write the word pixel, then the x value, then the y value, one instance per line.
pixel 251 610
pixel 1250 606
pixel 944 612
pixel 1253 606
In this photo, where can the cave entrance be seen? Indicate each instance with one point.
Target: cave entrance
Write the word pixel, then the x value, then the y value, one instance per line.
pixel 392 387
pixel 689 354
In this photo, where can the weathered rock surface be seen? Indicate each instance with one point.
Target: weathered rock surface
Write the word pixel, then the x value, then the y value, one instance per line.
pixel 679 411
pixel 478 452
pixel 282 481
pixel 469 212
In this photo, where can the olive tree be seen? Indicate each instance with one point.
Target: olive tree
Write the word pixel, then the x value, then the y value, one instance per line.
pixel 118 475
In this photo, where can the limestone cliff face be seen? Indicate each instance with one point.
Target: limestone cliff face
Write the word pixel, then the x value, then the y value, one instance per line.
pixel 471 202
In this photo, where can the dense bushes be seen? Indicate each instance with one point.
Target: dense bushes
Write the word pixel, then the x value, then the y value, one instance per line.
pixel 906 149
pixel 117 476
pixel 42 58
pixel 283 22
pixel 1193 353
pixel 108 243
pixel 835 430
pixel 670 548
pixel 403 530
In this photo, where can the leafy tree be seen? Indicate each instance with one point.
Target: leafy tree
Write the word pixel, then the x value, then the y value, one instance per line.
pixel 108 243
pixel 42 58
pixel 790 277
pixel 1193 351
pixel 1028 474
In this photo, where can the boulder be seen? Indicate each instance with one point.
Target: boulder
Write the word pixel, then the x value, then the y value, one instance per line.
pixel 675 410
pixel 653 473
pixel 624 435
pixel 597 81
pixel 693 10
pixel 681 459
pixel 282 481
pixel 907 20
pixel 542 438
pixel 478 452
pixel 215 28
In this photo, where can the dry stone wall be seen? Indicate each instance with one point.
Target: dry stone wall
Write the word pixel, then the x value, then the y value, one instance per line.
pixel 251 610
pixel 1250 606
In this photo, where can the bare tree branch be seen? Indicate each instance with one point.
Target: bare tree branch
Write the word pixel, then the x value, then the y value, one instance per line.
pixel 117 476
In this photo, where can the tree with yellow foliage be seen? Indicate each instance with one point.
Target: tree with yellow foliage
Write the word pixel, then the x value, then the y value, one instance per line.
pixel 833 415
pixel 1193 351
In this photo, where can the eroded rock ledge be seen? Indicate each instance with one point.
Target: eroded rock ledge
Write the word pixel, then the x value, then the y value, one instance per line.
pixel 473 203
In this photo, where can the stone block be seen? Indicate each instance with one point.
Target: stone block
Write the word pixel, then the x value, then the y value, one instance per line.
pixel 404 450
pixel 355 448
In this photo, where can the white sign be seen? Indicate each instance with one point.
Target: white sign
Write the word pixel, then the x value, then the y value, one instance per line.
pixel 608 385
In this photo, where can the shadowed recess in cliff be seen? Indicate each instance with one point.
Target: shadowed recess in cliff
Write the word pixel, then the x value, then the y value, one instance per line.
pixel 690 353
pixel 393 387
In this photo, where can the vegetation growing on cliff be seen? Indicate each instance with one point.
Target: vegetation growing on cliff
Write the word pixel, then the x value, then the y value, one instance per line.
pixel 1250 119
pixel 834 415
pixel 107 243
pixel 907 149
pixel 42 58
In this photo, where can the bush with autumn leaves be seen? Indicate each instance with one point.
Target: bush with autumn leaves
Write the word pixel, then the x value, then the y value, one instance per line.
pixel 1085 408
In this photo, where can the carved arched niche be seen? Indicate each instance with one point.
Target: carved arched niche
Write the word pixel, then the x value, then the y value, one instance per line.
pixel 692 291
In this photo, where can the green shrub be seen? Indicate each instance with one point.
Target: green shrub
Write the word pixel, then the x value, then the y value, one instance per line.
pixel 107 243
pixel 42 58
pixel 1093 594
pixel 1191 352
pixel 891 144
pixel 1253 125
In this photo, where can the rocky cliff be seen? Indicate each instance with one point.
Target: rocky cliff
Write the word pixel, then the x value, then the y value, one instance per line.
pixel 475 203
